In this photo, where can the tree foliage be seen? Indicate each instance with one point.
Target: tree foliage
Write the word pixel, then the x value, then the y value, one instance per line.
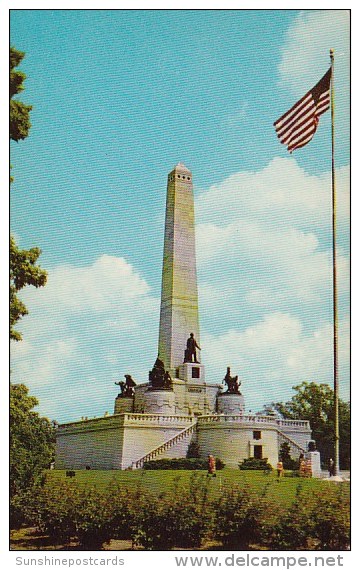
pixel 315 402
pixel 19 112
pixel 285 457
pixel 31 440
pixel 31 437
pixel 23 268
pixel 23 271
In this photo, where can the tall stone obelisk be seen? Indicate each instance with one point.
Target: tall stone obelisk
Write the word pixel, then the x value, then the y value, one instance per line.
pixel 179 314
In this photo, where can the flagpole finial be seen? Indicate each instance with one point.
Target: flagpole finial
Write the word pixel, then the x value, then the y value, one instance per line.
pixel 332 53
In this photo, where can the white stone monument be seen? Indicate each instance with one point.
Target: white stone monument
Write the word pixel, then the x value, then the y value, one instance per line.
pixel 179 313
pixel 175 406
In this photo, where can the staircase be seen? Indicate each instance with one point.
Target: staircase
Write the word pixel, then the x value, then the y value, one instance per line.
pixel 164 446
pixel 295 448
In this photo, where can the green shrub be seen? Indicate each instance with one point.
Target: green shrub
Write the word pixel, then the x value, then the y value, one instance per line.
pixel 184 516
pixel 193 451
pixel 31 450
pixel 32 441
pixel 18 509
pixel 241 518
pixel 219 464
pixel 52 510
pixel 294 525
pixel 93 518
pixel 126 506
pixel 291 464
pixel 250 463
pixel 315 521
pixel 66 511
pixel 182 463
pixel 294 473
pixel 179 518
pixel 331 518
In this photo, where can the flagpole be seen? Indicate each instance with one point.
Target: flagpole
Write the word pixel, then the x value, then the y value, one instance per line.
pixel 335 315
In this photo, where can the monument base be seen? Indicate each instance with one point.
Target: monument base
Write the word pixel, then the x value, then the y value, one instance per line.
pixel 314 458
pixel 124 405
pixel 230 404
pixel 191 372
pixel 159 402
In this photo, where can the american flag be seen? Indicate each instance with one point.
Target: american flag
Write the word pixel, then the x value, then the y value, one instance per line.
pixel 298 125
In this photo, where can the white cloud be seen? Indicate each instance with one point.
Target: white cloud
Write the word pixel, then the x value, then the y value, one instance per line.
pixel 275 354
pixel 263 244
pixel 265 267
pixel 43 362
pixel 97 287
pixel 88 325
pixel 281 193
pixel 306 49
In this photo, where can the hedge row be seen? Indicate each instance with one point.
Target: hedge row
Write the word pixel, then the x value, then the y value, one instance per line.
pixel 182 463
pixel 186 517
pixel 253 464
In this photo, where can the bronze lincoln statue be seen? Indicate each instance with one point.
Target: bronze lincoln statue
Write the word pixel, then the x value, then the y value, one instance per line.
pixel 190 352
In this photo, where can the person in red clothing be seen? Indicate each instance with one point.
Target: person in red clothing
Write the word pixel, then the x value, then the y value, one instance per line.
pixel 211 466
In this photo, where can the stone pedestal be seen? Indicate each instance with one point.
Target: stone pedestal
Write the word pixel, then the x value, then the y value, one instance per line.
pixel 124 405
pixel 159 402
pixel 314 458
pixel 192 372
pixel 230 404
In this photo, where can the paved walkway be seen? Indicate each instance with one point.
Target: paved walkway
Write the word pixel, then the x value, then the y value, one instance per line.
pixel 343 474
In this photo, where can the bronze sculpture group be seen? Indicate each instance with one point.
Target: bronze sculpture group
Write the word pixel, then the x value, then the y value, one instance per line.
pixel 232 383
pixel 126 388
pixel 160 379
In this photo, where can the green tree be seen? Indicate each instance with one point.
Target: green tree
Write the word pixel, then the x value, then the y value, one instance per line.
pixel 285 457
pixel 31 437
pixel 23 271
pixel 315 402
pixel 23 268
pixel 19 112
pixel 31 441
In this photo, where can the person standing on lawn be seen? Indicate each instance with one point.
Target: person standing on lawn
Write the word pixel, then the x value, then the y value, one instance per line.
pixel 211 466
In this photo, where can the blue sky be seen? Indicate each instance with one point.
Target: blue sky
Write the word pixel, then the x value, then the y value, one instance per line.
pixel 119 97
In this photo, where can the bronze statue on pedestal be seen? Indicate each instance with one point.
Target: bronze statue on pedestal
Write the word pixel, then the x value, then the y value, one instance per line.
pixel 190 352
pixel 127 387
pixel 159 377
pixel 232 383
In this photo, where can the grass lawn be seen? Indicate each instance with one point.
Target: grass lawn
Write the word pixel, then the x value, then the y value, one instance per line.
pixel 282 491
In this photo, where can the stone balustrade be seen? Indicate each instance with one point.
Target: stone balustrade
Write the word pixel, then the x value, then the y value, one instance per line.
pixel 117 420
pixel 157 418
pixel 294 423
pixel 253 419
pixel 128 419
